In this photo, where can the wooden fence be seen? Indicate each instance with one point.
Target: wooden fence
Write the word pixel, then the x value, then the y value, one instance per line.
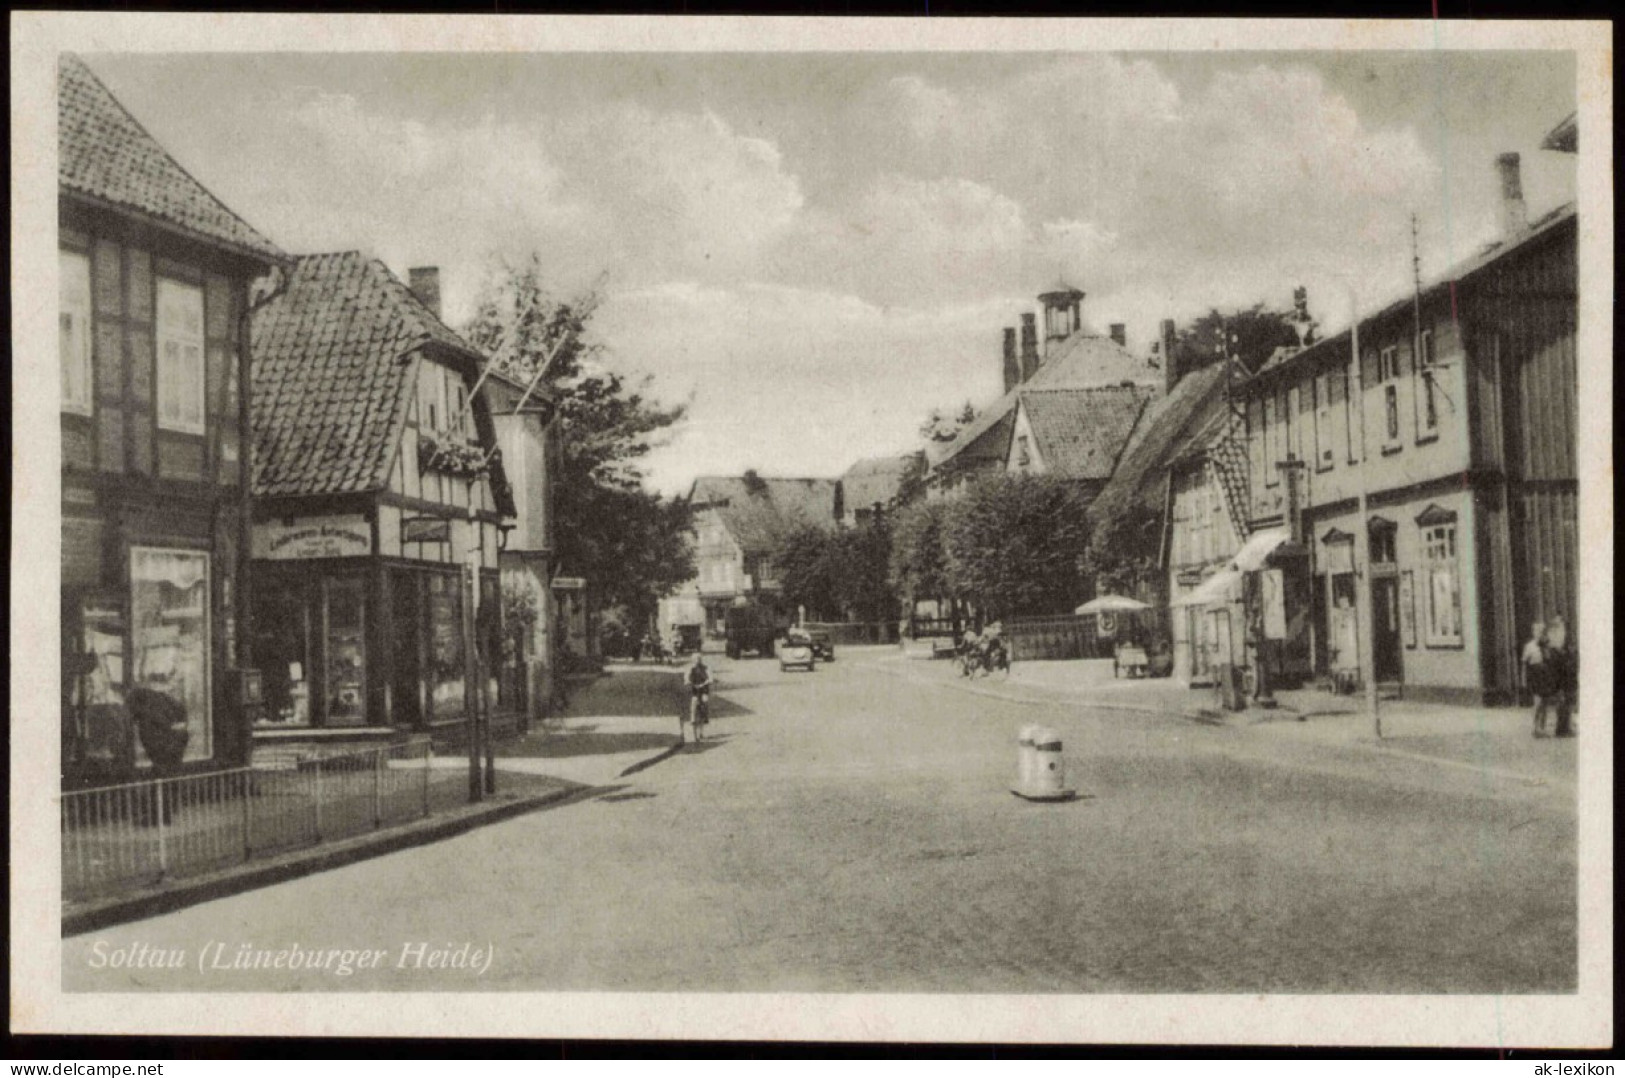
pixel 856 632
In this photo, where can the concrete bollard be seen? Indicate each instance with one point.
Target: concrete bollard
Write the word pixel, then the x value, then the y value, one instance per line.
pixel 1026 757
pixel 1042 771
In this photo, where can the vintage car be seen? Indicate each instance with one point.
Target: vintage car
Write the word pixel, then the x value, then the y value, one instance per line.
pixel 823 645
pixel 795 649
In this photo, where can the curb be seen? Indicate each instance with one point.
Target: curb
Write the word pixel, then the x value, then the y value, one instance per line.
pixel 233 881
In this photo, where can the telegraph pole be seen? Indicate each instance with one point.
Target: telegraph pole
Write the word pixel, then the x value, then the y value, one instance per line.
pixel 1363 606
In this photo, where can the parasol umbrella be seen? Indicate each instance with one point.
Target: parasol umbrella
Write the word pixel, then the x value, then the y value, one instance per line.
pixel 1111 604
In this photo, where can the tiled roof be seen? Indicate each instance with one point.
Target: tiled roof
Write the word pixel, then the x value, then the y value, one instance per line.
pixel 759 513
pixel 1081 360
pixel 1080 433
pixel 331 377
pixel 876 480
pixel 1087 359
pixel 107 155
pixel 1172 428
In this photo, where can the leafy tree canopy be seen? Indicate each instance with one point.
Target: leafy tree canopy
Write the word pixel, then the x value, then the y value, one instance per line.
pixel 1251 335
pixel 941 426
pixel 919 566
pixel 632 544
pixel 1013 544
pixel 1124 552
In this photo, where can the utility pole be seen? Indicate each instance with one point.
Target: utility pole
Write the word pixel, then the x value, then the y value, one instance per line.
pixel 1363 606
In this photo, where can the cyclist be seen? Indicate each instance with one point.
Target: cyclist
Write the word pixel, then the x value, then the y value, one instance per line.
pixel 699 691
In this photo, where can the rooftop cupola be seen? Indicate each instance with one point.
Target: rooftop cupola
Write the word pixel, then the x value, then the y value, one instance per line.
pixel 1062 312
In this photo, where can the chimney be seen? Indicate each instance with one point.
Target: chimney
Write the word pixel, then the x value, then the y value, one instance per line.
pixel 1514 214
pixel 425 284
pixel 1012 366
pixel 1120 334
pixel 1170 362
pixel 1029 345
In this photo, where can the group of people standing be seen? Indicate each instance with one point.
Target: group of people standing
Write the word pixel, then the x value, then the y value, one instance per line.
pixel 1551 674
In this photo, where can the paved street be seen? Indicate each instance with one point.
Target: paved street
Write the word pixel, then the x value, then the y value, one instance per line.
pixel 852 830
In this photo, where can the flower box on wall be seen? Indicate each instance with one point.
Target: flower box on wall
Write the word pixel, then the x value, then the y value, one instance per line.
pixel 451 456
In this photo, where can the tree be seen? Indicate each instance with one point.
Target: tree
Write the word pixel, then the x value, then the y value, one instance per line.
pixel 1251 335
pixel 807 565
pixel 631 543
pixel 919 566
pixel 862 571
pixel 1124 551
pixel 1014 543
pixel 940 427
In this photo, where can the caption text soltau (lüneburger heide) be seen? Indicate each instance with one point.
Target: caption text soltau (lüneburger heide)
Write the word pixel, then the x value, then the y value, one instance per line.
pixel 218 956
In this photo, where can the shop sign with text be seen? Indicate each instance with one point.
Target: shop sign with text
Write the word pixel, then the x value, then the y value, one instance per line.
pixel 346 536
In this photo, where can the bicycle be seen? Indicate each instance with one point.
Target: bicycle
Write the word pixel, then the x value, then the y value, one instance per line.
pixel 699 713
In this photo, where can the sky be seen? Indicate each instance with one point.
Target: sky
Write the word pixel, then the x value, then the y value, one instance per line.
pixel 816 250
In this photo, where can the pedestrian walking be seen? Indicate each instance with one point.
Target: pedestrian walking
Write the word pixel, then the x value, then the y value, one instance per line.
pixel 1564 672
pixel 1537 676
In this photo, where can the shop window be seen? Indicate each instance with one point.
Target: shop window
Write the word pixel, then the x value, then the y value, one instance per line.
pixel 1443 578
pixel 169 623
pixel 74 336
pixel 1427 418
pixel 181 382
pixel 346 683
pixel 446 660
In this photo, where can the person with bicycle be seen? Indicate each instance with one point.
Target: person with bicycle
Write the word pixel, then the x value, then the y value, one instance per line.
pixel 699 692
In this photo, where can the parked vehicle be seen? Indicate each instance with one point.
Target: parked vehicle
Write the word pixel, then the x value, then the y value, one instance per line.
pixel 823 645
pixel 754 627
pixel 796 649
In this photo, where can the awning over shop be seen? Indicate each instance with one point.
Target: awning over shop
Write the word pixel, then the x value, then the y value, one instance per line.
pixel 1218 588
pixel 1258 548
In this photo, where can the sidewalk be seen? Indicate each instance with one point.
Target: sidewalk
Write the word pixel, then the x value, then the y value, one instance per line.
pixel 1495 740
pixel 615 726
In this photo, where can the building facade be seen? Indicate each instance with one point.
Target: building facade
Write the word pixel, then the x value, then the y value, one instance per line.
pixel 154 284
pixel 739 522
pixel 380 505
pixel 1463 417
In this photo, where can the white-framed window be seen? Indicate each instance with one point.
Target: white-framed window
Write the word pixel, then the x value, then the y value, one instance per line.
pixel 1443 598
pixel 1346 393
pixel 1322 390
pixel 74 339
pixel 181 382
pixel 1388 378
pixel 1427 409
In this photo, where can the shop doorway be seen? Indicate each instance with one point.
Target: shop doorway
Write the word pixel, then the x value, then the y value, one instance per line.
pixel 1387 652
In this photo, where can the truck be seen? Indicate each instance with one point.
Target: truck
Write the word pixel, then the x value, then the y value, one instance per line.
pixel 754 627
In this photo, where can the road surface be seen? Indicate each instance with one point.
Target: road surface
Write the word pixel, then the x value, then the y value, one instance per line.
pixel 852 830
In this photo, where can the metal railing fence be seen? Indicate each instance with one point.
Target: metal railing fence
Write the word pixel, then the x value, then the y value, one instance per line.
pixel 120 838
